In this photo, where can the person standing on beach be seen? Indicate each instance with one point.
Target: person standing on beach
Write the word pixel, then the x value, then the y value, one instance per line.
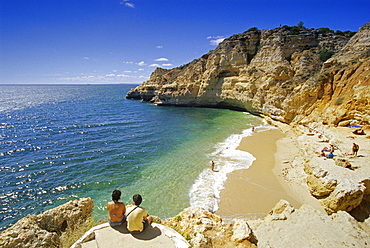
pixel 355 149
pixel 137 217
pixel 213 167
pixel 116 209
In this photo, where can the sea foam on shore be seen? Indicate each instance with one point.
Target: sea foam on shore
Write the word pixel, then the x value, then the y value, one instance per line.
pixel 205 192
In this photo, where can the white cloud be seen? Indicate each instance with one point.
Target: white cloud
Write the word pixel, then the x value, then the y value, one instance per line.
pixel 127 3
pixel 127 62
pixel 161 59
pixel 86 58
pixel 215 37
pixel 107 78
pixel 215 40
pixel 123 75
pixel 141 63
pixel 159 47
pixel 131 5
pixel 141 69
pixel 127 71
pixel 158 65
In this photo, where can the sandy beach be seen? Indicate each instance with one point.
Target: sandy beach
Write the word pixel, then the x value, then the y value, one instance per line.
pixel 253 192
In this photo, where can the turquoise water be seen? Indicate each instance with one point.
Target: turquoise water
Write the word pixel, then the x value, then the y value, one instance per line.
pixel 59 143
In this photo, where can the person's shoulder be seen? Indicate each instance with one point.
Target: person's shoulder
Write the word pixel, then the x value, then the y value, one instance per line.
pixel 110 205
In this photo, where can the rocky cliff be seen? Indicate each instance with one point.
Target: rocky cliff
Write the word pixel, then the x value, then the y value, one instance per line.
pixel 292 77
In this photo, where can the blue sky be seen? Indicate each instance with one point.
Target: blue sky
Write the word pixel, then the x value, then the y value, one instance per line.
pixel 123 41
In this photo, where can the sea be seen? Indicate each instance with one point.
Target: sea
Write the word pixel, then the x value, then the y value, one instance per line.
pixel 63 142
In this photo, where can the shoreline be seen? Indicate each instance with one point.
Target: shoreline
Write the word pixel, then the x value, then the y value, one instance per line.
pixel 251 193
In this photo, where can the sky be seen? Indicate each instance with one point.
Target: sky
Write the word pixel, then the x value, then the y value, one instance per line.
pixel 123 41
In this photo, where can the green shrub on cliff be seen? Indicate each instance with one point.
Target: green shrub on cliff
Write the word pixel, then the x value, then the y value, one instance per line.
pixel 294 30
pixel 252 29
pixel 325 54
pixel 325 31
pixel 345 33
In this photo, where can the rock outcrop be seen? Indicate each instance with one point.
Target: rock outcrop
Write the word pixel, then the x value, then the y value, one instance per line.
pixel 336 187
pixel 47 229
pixel 332 190
pixel 286 77
pixel 284 226
pixel 205 229
pixel 307 227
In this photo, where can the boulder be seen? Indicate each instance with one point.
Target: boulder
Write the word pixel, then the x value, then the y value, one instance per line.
pixel 242 231
pixel 205 229
pixel 335 190
pixel 281 211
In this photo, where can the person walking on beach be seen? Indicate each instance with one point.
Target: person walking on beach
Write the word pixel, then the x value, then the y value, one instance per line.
pixel 355 149
pixel 137 217
pixel 116 209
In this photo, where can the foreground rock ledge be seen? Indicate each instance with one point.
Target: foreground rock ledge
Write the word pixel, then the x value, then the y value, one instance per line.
pixel 47 229
pixel 284 226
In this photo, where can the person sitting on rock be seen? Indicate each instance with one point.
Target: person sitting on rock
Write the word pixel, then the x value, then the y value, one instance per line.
pixel 325 149
pixel 116 209
pixel 137 217
pixel 347 165
pixel 359 132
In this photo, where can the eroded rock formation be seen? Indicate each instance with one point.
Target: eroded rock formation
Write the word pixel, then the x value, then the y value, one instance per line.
pixel 47 229
pixel 276 74
pixel 205 229
pixel 284 226
pixel 307 227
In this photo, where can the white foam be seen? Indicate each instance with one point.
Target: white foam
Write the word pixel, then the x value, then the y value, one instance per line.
pixel 205 192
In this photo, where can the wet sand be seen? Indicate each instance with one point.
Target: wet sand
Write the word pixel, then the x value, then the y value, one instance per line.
pixel 253 192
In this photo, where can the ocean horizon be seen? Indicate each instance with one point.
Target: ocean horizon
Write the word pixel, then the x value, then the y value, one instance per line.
pixel 63 142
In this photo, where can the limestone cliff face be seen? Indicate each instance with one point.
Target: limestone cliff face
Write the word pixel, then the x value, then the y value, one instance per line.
pixel 275 74
pixel 344 84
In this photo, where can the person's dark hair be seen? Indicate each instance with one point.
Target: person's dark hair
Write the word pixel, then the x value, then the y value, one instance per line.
pixel 137 199
pixel 116 195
